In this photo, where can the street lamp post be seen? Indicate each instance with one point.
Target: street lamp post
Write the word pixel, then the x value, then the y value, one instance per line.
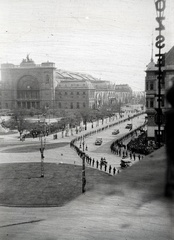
pixel 83 143
pixel 42 148
pixel 83 175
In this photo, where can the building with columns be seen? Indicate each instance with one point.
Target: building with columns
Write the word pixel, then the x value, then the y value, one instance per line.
pixel 33 86
pixel 28 85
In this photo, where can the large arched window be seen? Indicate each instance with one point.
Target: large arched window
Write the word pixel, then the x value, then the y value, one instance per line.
pixel 28 95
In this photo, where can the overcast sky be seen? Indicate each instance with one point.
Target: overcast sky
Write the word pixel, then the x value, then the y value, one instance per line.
pixel 109 39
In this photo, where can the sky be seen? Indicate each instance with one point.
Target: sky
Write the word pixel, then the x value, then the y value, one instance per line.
pixel 109 39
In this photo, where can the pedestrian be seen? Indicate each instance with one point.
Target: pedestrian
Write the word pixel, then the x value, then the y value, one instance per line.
pixel 139 157
pixel 110 168
pixel 97 164
pixel 105 167
pixel 114 170
pixel 93 161
pixel 134 156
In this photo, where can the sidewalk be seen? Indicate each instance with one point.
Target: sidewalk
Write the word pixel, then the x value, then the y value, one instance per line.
pixel 106 122
pixel 132 209
pixel 59 154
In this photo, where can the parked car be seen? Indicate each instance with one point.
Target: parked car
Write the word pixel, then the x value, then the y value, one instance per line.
pixel 125 164
pixel 103 162
pixel 115 132
pixel 129 126
pixel 98 141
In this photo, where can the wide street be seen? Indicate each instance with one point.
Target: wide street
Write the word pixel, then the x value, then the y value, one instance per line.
pixel 59 151
pixel 133 207
pixel 103 151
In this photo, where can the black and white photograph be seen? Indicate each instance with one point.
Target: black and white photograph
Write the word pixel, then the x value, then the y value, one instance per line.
pixel 86 120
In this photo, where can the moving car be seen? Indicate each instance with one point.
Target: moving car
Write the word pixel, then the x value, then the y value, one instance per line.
pixel 98 141
pixel 115 132
pixel 129 126
pixel 125 163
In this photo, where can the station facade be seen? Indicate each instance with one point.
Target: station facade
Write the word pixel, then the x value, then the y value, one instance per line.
pixel 33 86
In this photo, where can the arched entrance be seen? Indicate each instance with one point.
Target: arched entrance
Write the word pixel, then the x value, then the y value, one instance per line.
pixel 28 94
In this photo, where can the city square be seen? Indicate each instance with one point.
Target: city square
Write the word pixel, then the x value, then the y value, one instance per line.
pixel 105 194
pixel 86 120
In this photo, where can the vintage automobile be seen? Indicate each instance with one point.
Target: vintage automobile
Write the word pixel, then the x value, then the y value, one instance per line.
pixel 103 162
pixel 98 141
pixel 129 126
pixel 125 163
pixel 115 132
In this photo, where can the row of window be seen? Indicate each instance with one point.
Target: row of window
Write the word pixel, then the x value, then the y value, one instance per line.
pixel 28 105
pixel 28 94
pixel 72 105
pixel 61 93
pixel 71 93
pixel 72 97
pixel 150 86
pixel 150 102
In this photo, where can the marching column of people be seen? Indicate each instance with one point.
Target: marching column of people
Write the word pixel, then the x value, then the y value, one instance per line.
pixel 98 164
pixel 119 148
pixel 115 148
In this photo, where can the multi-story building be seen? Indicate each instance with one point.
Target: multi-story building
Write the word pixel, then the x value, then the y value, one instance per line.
pixel 28 85
pixel 79 91
pixel 75 95
pixel 43 86
pixel 151 85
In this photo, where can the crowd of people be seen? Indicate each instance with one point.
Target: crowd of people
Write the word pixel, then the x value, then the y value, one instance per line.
pixel 99 164
pixel 117 147
pixel 139 145
pixel 123 150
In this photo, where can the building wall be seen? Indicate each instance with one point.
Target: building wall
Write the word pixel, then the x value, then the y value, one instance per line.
pixel 74 95
pixel 43 86
pixel 26 78
pixel 151 83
